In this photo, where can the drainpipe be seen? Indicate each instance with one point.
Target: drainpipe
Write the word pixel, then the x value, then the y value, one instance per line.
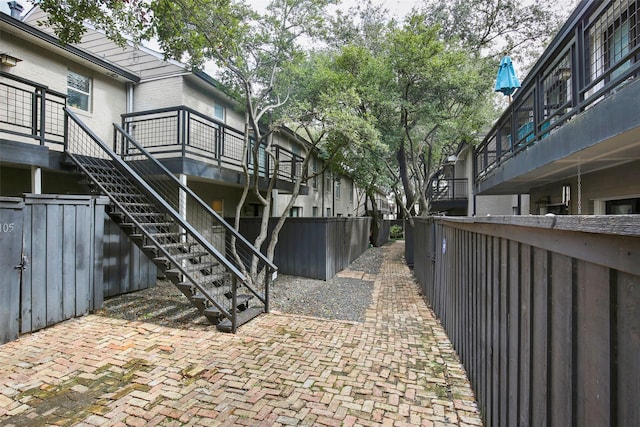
pixel 129 107
pixel 16 9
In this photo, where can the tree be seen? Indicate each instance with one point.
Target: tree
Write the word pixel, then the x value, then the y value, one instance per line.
pixel 429 93
pixel 340 88
pixel 494 27
pixel 443 93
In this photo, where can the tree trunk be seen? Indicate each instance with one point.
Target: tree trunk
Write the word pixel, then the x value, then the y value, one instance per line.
pixel 401 155
pixel 375 221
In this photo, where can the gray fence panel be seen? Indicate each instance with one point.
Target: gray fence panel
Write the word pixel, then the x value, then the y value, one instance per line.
pixel 126 267
pixel 11 225
pixel 545 314
pixel 317 248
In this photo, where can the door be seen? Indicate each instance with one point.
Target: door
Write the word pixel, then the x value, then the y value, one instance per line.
pixel 11 223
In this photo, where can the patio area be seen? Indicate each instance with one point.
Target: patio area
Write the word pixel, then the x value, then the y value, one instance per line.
pixel 396 368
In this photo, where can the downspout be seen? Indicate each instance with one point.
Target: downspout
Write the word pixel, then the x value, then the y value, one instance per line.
pixel 129 106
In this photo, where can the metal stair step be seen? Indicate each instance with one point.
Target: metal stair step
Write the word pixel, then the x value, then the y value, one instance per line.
pixel 242 304
pixel 127 195
pixel 181 256
pixel 192 267
pixel 177 245
pixel 159 235
pixel 146 224
pixel 242 318
pixel 138 205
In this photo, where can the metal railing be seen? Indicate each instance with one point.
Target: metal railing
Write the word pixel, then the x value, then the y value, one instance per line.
pixel 31 110
pixel 448 189
pixel 227 240
pixel 183 132
pixel 594 54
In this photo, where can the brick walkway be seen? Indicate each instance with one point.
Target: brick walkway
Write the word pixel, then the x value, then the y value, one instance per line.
pixel 398 368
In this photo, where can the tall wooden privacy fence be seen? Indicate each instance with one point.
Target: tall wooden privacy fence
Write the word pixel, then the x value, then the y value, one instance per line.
pixel 60 257
pixel 317 248
pixel 544 313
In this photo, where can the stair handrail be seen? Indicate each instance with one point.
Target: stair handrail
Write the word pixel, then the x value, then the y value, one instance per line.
pixel 157 198
pixel 198 200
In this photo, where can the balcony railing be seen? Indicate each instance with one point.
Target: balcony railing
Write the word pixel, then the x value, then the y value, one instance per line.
pixel 31 110
pixel 185 133
pixel 448 189
pixel 595 53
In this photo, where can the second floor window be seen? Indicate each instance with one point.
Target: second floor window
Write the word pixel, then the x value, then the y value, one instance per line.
pixel 218 112
pixel 338 185
pixel 79 91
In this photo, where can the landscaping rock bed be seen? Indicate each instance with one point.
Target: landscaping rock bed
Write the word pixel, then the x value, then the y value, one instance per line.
pixel 341 298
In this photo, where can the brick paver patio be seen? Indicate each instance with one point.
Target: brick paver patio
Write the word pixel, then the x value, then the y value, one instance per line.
pixel 396 369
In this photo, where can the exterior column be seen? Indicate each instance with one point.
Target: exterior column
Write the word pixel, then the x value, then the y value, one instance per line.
pixel 36 180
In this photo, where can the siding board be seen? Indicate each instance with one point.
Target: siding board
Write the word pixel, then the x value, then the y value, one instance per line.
pixel 539 338
pixel 560 330
pixel 628 349
pixel 593 382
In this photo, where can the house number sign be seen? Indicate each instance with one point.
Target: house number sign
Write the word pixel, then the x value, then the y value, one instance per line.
pixel 6 227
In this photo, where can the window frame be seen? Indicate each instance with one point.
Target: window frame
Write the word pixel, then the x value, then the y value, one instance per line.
pixel 217 106
pixel 88 94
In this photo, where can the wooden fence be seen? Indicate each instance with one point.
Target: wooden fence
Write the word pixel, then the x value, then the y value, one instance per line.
pixel 56 264
pixel 543 311
pixel 317 248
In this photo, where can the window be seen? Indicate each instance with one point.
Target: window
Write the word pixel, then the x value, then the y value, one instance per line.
pixel 219 112
pixel 218 206
pixel 327 183
pixel 328 211
pixel 295 211
pixel 351 192
pixel 623 206
pixel 315 211
pixel 338 184
pixel 78 91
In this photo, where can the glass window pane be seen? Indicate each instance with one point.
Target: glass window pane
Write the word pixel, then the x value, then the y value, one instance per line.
pixel 78 91
pixel 79 82
pixel 78 100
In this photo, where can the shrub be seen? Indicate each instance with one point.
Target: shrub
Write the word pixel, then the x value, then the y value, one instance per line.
pixel 396 232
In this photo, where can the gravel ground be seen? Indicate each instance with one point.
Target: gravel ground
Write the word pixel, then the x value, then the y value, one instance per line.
pixel 341 298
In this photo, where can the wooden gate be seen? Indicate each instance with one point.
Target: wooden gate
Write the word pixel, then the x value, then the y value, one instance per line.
pixel 11 219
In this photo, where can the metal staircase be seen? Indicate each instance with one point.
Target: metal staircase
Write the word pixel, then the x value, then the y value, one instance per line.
pixel 217 269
